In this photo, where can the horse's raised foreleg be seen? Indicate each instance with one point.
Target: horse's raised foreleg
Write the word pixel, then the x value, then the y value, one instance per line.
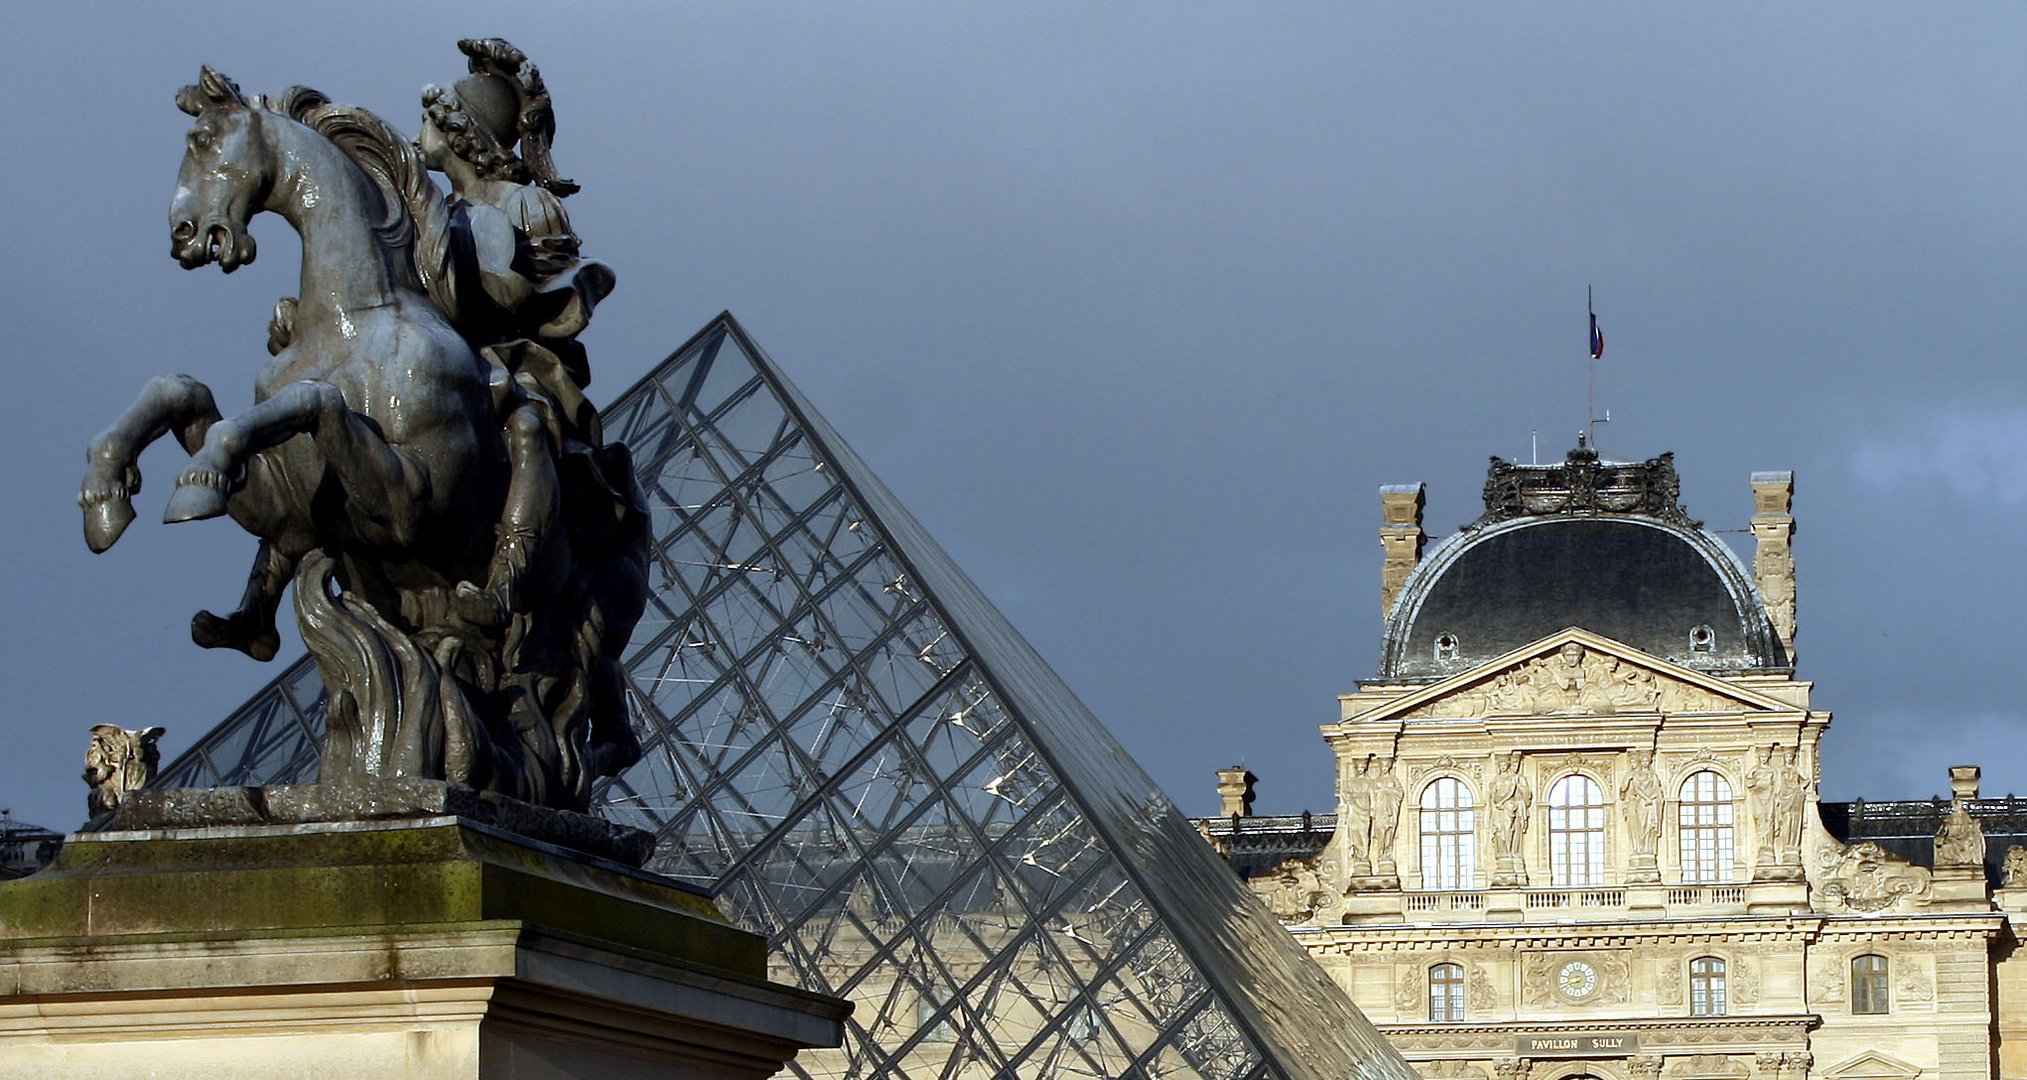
pixel 383 486
pixel 168 404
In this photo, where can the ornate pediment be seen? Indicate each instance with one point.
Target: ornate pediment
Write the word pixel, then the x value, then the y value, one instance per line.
pixel 1291 890
pixel 1873 1065
pixel 1574 673
pixel 1865 878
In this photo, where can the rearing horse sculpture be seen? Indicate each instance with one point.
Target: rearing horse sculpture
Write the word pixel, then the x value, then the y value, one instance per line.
pixel 373 470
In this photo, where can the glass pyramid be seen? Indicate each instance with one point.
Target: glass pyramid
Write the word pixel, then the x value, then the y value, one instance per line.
pixel 864 762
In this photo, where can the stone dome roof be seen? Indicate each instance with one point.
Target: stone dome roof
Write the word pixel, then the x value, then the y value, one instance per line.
pixel 1600 545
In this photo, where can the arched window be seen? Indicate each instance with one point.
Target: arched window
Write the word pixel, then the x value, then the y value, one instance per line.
pixel 1706 829
pixel 1446 647
pixel 1449 826
pixel 1576 832
pixel 1868 984
pixel 1706 986
pixel 1446 992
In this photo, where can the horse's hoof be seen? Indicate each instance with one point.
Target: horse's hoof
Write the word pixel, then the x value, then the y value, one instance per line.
pixel 196 498
pixel 230 632
pixel 105 520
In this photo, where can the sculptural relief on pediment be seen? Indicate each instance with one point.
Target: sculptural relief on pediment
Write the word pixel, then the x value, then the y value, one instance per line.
pixel 1866 878
pixel 1573 680
pixel 1291 890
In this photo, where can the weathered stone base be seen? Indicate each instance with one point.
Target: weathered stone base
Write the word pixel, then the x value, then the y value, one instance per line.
pixel 432 950
pixel 397 799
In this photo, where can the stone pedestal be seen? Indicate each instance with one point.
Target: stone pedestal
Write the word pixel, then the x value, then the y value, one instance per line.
pixel 431 949
pixel 1509 872
pixel 1647 901
pixel 1958 888
pixel 1777 898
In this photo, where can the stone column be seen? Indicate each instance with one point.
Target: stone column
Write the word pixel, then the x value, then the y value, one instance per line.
pixel 1400 538
pixel 1773 557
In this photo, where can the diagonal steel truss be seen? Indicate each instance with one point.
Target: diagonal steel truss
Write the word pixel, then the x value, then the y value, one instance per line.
pixel 858 755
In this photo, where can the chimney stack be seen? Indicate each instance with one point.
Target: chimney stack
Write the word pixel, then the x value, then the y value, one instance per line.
pixel 1235 792
pixel 1400 539
pixel 1773 556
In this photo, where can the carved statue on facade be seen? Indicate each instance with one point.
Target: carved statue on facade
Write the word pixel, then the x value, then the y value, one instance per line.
pixel 469 558
pixel 1960 840
pixel 118 760
pixel 2013 868
pixel 1760 785
pixel 1510 799
pixel 1385 795
pixel 1641 796
pixel 1355 819
pixel 1790 800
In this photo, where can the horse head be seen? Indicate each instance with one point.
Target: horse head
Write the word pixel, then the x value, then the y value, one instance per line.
pixel 227 169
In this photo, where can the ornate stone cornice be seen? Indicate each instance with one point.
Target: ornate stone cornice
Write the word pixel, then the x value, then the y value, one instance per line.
pixel 1790 1030
pixel 1377 937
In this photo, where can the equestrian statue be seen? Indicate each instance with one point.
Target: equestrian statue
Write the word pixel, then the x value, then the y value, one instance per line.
pixel 469 555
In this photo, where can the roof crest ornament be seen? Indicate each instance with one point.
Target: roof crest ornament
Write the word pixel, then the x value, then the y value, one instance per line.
pixel 1583 483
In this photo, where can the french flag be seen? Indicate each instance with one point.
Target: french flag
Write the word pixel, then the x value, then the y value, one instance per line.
pixel 1597 338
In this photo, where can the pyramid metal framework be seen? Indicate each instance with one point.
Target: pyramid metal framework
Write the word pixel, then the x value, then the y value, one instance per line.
pixel 863 761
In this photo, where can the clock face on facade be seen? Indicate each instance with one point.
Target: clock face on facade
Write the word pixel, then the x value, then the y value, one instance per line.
pixel 1577 980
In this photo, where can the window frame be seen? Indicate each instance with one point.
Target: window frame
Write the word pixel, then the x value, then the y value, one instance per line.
pixel 1877 984
pixel 1446 993
pixel 1707 829
pixel 1449 850
pixel 1707 994
pixel 1576 833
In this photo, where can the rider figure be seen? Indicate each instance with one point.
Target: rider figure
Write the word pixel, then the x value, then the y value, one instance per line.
pixel 511 280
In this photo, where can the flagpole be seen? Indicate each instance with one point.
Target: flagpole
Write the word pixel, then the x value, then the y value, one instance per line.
pixel 1591 390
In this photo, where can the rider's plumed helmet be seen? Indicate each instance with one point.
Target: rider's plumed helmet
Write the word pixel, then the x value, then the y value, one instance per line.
pixel 502 104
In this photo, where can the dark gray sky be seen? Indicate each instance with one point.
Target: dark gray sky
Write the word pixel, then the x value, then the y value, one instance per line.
pixel 1136 306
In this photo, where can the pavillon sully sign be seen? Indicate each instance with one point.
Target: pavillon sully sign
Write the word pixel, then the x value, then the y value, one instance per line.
pixel 1577 1045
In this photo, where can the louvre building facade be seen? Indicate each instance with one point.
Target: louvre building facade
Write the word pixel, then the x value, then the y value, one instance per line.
pixel 858 757
pixel 1577 831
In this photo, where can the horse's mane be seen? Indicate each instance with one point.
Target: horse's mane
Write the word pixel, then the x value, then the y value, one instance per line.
pixel 407 194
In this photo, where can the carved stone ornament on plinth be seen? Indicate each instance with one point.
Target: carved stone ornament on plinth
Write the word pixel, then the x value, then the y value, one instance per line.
pixel 2013 868
pixel 1960 840
pixel 117 762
